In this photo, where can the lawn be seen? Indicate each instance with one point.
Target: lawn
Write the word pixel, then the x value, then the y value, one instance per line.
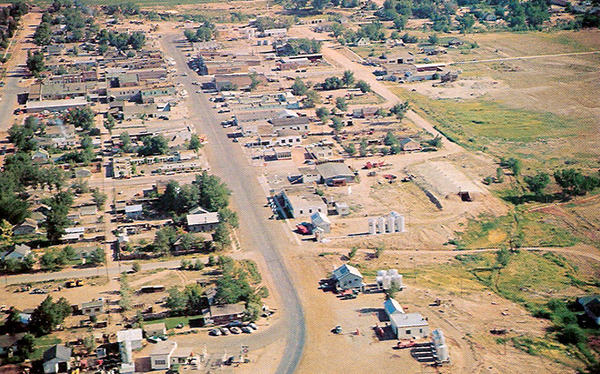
pixel 42 344
pixel 171 322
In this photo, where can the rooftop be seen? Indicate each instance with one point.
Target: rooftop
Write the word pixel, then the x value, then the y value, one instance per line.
pixel 134 334
pixel 163 348
pixel 226 309
pixel 402 320
pixel 202 218
pixel 334 169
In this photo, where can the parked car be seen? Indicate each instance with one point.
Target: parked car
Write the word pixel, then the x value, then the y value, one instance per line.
pixel 224 331
pixel 235 330
pixel 235 324
pixel 247 330
pixel 215 332
pixel 253 326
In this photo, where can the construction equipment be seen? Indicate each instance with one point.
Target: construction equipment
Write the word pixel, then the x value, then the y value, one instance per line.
pixel 337 329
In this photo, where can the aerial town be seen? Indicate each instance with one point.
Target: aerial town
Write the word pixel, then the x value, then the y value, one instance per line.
pixel 299 186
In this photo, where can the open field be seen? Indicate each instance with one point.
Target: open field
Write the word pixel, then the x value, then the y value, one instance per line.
pixel 542 110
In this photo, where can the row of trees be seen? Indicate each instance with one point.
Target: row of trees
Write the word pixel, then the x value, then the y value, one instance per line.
pixel 204 33
pixel 77 18
pixel 572 183
pixel 237 284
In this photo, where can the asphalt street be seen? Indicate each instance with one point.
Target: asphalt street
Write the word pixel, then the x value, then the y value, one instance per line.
pixel 228 161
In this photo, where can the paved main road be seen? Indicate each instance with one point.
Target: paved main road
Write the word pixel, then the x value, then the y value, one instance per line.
pixel 16 70
pixel 228 161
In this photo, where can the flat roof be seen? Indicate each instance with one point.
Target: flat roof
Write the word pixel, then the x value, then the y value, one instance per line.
pixel 76 101
pixel 402 320
pixel 202 218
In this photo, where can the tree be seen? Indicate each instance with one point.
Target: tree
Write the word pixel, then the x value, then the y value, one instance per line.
pixel 97 257
pixel 341 103
pixel 214 194
pixel 390 139
pixel 332 83
pixel 126 144
pixel 35 62
pixel 255 82
pixel 312 98
pixel 80 117
pixel 502 257
pixel 351 149
pixel 230 217
pixel 363 86
pixel 337 124
pixel 49 314
pixel 125 292
pixel 222 235
pixel 400 109
pixel 154 145
pixel 13 323
pixel 299 88
pixel 433 39
pixel 176 301
pixel 25 347
pixel 195 143
pixel 352 253
pixel 319 5
pixel 6 232
pixel 337 29
pixel 574 183
pixel 323 114
pixel 348 78
pixel 537 183
pixel 109 123
pixel 99 198
pixel 56 220
pixel 466 22
pixel 500 175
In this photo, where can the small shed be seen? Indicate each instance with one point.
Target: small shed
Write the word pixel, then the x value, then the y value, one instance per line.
pixel 409 325
pixel 155 329
pixel 321 221
pixel 57 359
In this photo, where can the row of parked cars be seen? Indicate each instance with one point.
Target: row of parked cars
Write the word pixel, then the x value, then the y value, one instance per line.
pixel 234 328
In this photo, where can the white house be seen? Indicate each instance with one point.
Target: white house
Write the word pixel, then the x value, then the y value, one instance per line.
pixel 134 211
pixel 405 325
pixel 168 353
pixel 288 137
pixel 202 221
pixel 321 221
pixel 348 277
pixel 133 335
pixel 160 357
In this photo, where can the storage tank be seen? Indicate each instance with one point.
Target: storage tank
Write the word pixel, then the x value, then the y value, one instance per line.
pixel 379 280
pixel 372 230
pixel 392 271
pixel 387 282
pixel 442 352
pixel 400 224
pixel 390 223
pixel 394 214
pixel 381 225
pixel 438 337
pixel 397 280
pixel 381 273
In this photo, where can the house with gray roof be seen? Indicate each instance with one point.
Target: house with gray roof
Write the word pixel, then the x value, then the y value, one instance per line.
pixel 348 277
pixel 335 173
pixel 57 359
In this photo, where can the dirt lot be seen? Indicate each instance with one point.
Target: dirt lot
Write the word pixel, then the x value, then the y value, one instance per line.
pixel 467 313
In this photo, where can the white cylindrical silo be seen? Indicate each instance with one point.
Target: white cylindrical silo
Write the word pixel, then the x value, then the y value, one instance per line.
pixel 379 280
pixel 381 273
pixel 387 282
pixel 372 230
pixel 438 337
pixel 393 271
pixel 442 352
pixel 400 224
pixel 390 223
pixel 394 214
pixel 397 280
pixel 381 225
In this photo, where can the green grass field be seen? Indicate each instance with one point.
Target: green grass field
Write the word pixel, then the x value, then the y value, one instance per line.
pixel 171 322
